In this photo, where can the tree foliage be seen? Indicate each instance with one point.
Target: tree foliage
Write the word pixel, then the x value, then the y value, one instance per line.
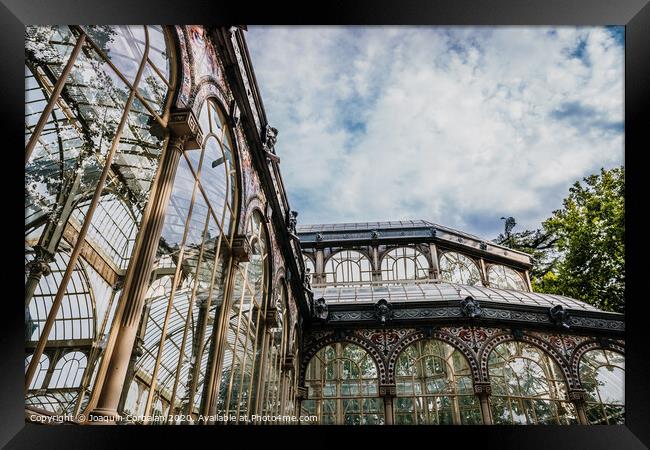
pixel 580 250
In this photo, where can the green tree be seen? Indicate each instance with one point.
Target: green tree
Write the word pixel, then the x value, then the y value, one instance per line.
pixel 590 232
pixel 580 250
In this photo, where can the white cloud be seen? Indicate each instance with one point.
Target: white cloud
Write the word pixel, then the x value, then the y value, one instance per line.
pixel 456 125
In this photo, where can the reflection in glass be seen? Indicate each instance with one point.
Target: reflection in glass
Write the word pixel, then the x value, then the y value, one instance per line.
pixel 191 270
pixel 342 385
pixel 528 387
pixel 64 161
pixel 458 268
pixel 404 263
pixel 277 384
pixel 503 277
pixel 347 266
pixel 243 341
pixel 602 375
pixel 434 386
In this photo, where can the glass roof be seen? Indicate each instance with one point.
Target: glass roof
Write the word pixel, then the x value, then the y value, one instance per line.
pixel 441 291
pixel 316 228
pixel 367 226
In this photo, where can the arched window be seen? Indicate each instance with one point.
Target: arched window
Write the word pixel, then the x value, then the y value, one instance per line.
pixel 103 107
pixel 243 340
pixel 58 402
pixel 76 317
pixel 278 342
pixel 528 387
pixel 342 387
pixel 43 365
pixel 194 249
pixel 404 263
pixel 503 277
pixel 602 375
pixel 113 228
pixel 460 269
pixel 434 386
pixel 348 266
pixel 86 115
pixel 68 370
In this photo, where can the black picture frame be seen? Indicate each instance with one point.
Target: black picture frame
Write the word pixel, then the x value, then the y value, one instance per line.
pixel 634 14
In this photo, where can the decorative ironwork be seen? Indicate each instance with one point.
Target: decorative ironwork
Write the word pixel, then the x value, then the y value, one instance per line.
pixel 387 390
pixel 321 310
pixel 482 388
pixel 407 312
pixel 383 311
pixel 40 265
pixel 559 316
pixel 183 122
pixel 577 395
pixel 292 222
pixel 272 317
pixel 470 307
pixel 241 248
pixel 270 137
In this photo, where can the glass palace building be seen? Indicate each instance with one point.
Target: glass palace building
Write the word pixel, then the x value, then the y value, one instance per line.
pixel 168 282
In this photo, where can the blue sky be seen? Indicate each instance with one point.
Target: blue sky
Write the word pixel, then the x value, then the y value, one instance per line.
pixel 456 125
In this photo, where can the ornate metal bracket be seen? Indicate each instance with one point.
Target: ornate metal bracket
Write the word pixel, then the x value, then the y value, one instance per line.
pixel 482 388
pixel 432 231
pixel 301 393
pixel 292 223
pixel 321 311
pixel 577 395
pixel 383 311
pixel 119 283
pixel 559 316
pixel 387 390
pixel 483 246
pixel 183 122
pixel 287 364
pixel 269 138
pixel 470 308
pixel 39 266
pixel 272 317
pixel 241 248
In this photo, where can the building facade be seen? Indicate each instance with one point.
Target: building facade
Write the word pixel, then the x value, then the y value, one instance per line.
pixel 167 281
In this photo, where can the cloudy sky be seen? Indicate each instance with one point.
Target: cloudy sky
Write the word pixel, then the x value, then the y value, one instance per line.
pixel 459 126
